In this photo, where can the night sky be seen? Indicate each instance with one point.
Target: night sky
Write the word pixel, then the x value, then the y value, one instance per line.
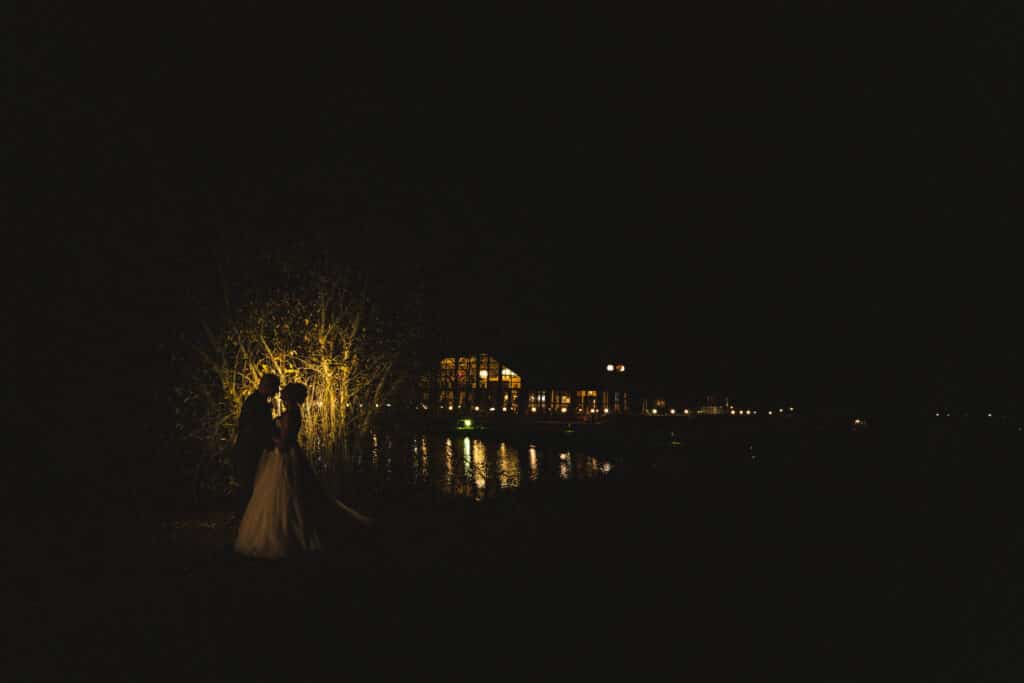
pixel 811 201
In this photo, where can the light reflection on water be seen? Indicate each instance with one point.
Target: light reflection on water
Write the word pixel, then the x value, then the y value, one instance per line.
pixel 472 467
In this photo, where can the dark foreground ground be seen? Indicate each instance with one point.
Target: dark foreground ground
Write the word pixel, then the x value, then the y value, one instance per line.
pixel 868 557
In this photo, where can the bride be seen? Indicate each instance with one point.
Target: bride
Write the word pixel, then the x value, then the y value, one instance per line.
pixel 289 510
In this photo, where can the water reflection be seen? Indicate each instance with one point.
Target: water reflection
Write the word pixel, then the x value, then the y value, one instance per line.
pixel 469 466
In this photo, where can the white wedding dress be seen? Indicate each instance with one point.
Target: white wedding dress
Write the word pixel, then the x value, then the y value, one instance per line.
pixel 288 511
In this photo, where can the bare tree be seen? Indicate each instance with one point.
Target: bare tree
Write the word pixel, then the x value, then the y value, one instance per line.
pixel 323 331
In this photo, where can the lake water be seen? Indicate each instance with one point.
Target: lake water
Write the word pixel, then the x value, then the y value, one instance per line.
pixel 470 466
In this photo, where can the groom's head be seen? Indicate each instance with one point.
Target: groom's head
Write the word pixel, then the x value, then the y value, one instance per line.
pixel 269 384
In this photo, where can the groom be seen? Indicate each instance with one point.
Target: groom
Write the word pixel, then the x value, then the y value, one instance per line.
pixel 255 434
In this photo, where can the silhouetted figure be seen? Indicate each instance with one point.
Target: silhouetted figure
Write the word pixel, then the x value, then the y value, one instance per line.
pixel 256 431
pixel 289 511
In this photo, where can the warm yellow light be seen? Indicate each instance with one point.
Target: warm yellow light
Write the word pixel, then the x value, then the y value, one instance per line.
pixel 476 407
pixel 686 411
pixel 450 408
pixel 606 410
pixel 533 410
pixel 732 412
pixel 748 412
pixel 769 412
pixel 620 368
pixel 610 367
pixel 791 409
pixel 492 409
pixel 483 373
pixel 564 410
pixel 654 411
pixel 672 411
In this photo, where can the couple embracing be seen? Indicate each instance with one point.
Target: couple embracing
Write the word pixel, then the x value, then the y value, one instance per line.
pixel 284 508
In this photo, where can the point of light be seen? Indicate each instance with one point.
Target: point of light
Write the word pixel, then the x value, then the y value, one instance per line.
pixel 686 411
pixel 620 368
pixel 672 411
pixel 533 410
pixel 654 411
pixel 610 367
pixel 483 373
pixel 564 410
pixel 476 407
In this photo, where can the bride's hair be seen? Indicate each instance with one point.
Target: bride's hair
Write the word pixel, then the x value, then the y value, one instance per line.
pixel 294 392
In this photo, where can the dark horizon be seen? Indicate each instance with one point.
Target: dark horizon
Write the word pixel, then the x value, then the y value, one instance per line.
pixel 810 203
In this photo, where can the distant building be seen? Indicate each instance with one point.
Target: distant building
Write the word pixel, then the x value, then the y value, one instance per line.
pixel 481 382
pixel 715 405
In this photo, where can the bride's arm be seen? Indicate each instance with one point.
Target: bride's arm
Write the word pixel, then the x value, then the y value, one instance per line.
pixel 280 429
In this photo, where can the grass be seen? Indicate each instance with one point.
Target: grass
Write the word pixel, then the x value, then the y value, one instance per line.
pixel 875 567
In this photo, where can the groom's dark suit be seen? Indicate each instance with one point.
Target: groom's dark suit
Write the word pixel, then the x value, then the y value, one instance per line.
pixel 255 434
